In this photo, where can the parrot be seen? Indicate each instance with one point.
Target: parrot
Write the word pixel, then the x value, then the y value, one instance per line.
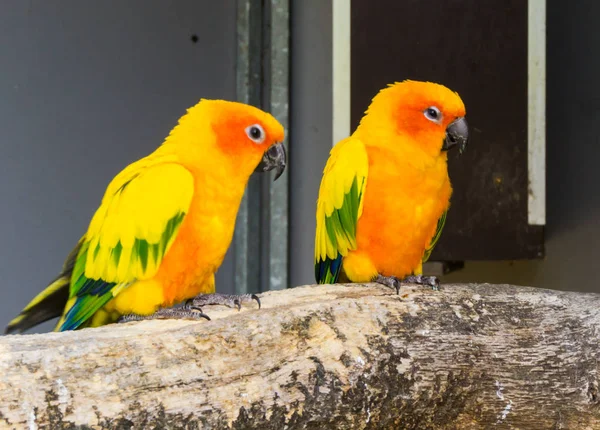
pixel 385 190
pixel 164 224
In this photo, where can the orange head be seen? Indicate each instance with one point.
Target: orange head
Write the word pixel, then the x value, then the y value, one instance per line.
pixel 424 114
pixel 251 138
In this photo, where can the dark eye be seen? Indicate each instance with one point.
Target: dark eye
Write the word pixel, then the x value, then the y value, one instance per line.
pixel 433 114
pixel 255 133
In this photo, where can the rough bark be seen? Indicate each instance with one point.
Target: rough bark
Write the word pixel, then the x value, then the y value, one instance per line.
pixel 467 357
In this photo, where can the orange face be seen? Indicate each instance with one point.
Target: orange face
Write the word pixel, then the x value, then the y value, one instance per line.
pixel 248 135
pixel 244 128
pixel 429 114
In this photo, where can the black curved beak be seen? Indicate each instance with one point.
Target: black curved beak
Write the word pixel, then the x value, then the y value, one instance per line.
pixel 457 134
pixel 274 158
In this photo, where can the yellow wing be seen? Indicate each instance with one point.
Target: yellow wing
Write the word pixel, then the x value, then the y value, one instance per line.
pixel 339 207
pixel 129 234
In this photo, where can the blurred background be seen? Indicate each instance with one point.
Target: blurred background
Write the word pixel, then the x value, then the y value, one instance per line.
pixel 86 87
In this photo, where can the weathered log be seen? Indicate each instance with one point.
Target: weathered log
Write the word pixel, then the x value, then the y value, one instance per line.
pixel 467 357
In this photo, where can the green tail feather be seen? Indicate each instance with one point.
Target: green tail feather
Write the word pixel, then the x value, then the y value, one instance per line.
pixel 48 304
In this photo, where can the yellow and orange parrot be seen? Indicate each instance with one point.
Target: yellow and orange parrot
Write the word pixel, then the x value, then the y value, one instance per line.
pixel 385 189
pixel 164 224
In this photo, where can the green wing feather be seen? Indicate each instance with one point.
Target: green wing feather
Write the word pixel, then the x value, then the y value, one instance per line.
pixel 436 237
pixel 139 219
pixel 339 207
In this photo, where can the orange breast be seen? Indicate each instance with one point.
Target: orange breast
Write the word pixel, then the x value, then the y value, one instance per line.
pixel 402 205
pixel 203 239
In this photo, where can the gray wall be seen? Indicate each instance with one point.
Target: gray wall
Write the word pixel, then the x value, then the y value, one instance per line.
pixel 310 126
pixel 86 87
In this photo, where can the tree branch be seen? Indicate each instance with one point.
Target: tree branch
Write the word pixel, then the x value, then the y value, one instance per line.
pixel 468 357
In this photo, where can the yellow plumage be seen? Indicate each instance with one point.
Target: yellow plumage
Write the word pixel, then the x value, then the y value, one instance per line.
pixel 385 190
pixel 347 163
pixel 165 222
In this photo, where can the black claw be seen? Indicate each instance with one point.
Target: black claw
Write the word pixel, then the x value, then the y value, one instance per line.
pixel 431 281
pixel 187 311
pixel 229 300
pixel 393 282
pixel 390 282
pixel 200 312
pixel 255 297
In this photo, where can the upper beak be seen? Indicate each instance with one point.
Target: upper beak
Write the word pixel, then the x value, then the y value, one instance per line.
pixel 457 134
pixel 275 158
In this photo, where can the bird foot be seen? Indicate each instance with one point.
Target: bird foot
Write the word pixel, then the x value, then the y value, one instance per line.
pixel 167 313
pixel 192 308
pixel 431 281
pixel 393 282
pixel 229 300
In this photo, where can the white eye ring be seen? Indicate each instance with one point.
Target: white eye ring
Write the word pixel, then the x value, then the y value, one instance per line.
pixel 433 114
pixel 255 133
